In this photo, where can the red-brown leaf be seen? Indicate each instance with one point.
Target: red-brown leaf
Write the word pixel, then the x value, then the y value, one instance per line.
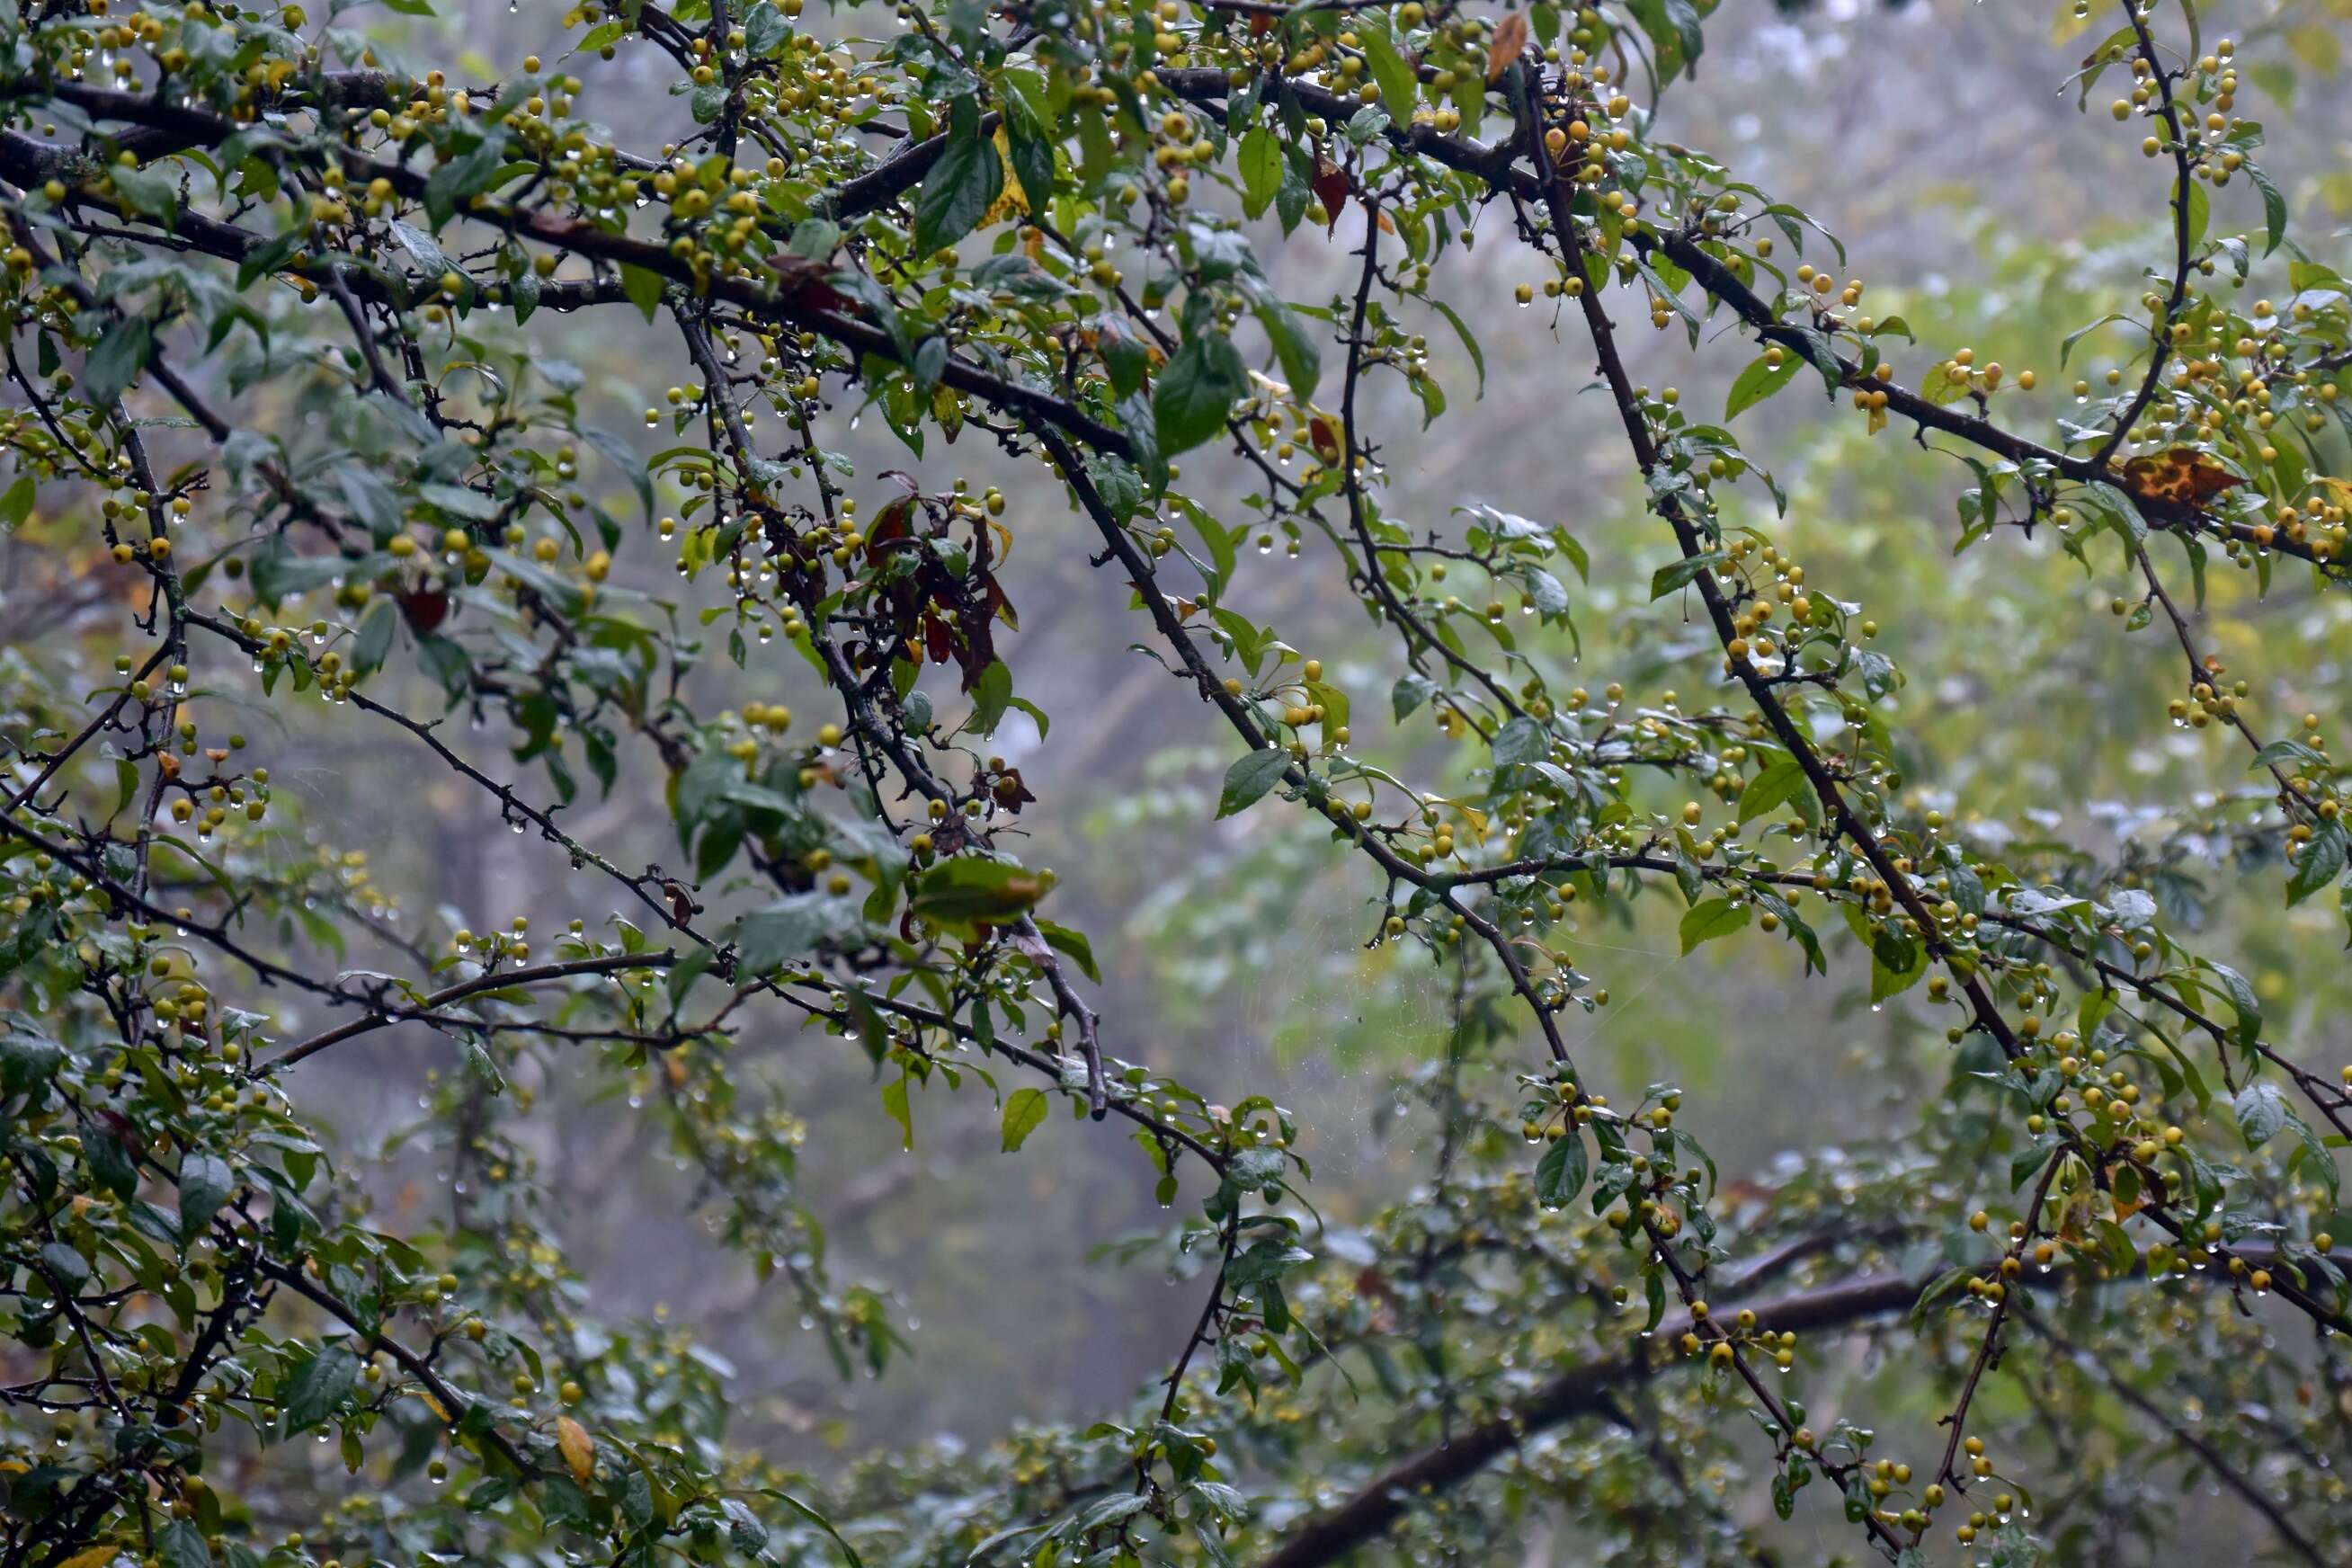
pixel 1509 40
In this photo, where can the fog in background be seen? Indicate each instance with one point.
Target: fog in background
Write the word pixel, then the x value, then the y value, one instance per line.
pixel 1931 139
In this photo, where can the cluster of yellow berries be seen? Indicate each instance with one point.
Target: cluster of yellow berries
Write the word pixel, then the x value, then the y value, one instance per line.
pixel 494 947
pixel 1962 370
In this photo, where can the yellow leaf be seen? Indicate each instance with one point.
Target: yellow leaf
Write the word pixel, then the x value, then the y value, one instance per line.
pixel 96 1557
pixel 578 1448
pixel 1012 199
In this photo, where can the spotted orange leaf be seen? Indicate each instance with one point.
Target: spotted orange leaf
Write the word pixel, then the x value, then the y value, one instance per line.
pixel 2183 475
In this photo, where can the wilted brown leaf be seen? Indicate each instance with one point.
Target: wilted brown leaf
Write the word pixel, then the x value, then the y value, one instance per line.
pixel 1331 187
pixel 1509 39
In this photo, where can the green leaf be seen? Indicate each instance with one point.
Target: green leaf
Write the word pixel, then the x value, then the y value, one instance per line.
pixel 815 238
pixel 1398 88
pixel 790 927
pixel 1125 356
pixel 818 1520
pixel 690 967
pixel 1676 574
pixel 2322 859
pixel 450 186
pixel 895 1105
pixel 205 1183
pixel 1897 964
pixel 991 694
pixel 2262 1112
pixel 632 468
pixel 1249 779
pixel 153 191
pixel 557 590
pixel 1520 741
pixel 116 360
pixel 960 894
pixel 1758 382
pixel 1024 1112
pixel 1943 1285
pixel 2117 507
pixel 643 288
pixel 277 573
pixel 1547 593
pixel 1302 360
pixel 1559 1174
pixel 1477 360
pixel 1196 391
pixel 1702 922
pixel 1030 149
pixel 1109 1510
pixel 1259 161
pixel 1074 944
pixel 1818 350
pixel 319 1388
pixel 17 504
pixel 2288 752
pixel 764 28
pixel 2249 1007
pixel 110 1162
pixel 2067 344
pixel 26 1059
pixel 375 640
pixel 1784 782
pixel 1037 715
pixel 1674 29
pixel 273 254
pixel 1432 399
pixel 181 1544
pixel 2293 752
pixel 2273 208
pixel 959 189
pixel 2116 1249
pixel 67 1268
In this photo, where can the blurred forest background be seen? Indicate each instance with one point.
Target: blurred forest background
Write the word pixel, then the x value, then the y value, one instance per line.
pixel 1935 139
